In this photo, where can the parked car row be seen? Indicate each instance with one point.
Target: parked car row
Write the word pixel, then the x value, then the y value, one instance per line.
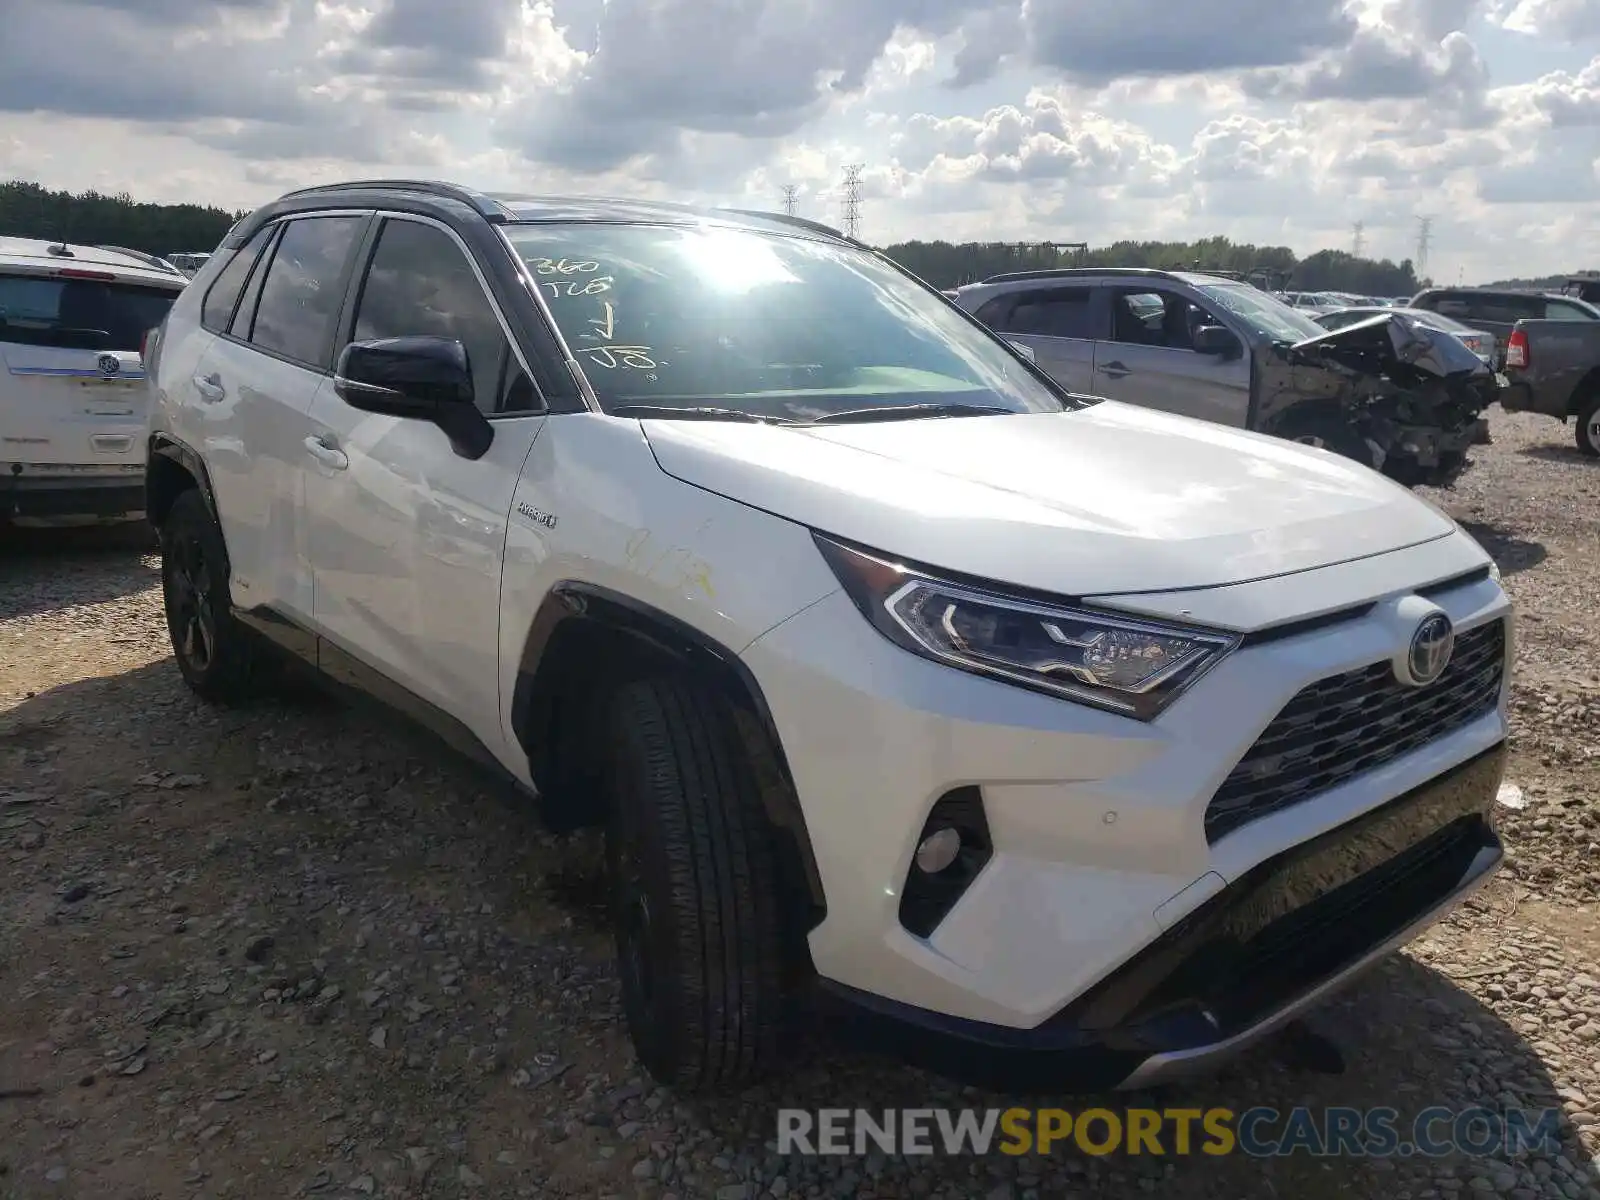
pixel 1315 303
pixel 1394 393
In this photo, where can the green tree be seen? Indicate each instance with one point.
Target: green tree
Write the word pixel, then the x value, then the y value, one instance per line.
pixel 28 210
pixel 947 265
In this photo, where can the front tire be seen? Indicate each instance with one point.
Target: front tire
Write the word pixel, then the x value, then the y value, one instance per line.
pixel 1330 432
pixel 216 655
pixel 702 947
pixel 1587 433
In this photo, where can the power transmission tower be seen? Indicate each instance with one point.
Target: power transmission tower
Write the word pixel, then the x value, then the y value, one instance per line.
pixel 852 198
pixel 1424 241
pixel 1358 241
pixel 790 191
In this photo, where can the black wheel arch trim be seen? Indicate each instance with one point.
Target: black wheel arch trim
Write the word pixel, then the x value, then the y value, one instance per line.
pixel 164 447
pixel 676 640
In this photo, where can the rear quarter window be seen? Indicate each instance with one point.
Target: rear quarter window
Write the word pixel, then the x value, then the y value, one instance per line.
pixel 223 297
pixel 79 314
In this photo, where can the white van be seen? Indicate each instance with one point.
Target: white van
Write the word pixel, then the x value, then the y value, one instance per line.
pixel 73 320
pixel 188 263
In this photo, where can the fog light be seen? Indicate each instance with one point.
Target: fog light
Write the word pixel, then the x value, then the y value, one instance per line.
pixel 938 850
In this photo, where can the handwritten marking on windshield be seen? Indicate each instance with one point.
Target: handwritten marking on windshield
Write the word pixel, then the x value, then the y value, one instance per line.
pixel 633 358
pixel 546 266
pixel 609 354
pixel 592 287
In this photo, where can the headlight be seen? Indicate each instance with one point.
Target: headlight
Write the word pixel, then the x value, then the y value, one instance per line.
pixel 1135 668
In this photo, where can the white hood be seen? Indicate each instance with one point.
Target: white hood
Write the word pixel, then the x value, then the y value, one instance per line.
pixel 1108 499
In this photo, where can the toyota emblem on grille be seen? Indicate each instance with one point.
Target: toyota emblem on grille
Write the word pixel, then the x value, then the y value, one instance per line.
pixel 1430 649
pixel 110 364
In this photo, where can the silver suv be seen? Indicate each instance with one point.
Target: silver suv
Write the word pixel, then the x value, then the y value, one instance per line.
pixel 1387 392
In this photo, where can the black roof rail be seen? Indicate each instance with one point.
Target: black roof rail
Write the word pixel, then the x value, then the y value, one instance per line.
pixel 485 205
pixel 797 222
pixel 149 260
pixel 1069 272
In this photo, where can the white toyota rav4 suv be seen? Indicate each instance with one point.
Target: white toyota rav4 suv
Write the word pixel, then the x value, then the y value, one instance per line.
pixel 72 387
pixel 1065 741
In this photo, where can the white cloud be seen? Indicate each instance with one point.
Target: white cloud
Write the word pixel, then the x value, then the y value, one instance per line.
pixel 1002 119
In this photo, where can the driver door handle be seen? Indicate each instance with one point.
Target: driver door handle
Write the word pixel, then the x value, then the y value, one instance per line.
pixel 210 387
pixel 325 454
pixel 1114 369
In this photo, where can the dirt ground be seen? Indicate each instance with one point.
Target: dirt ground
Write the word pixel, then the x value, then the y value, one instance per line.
pixel 295 951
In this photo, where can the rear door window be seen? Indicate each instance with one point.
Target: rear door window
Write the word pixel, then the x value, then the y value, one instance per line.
pixel 1052 312
pixel 304 288
pixel 79 313
pixel 223 297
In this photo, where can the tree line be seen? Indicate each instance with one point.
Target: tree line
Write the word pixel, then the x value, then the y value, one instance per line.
pixel 94 218
pixel 1544 283
pixel 28 210
pixel 948 265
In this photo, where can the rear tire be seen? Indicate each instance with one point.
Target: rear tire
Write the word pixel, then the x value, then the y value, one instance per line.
pixel 218 658
pixel 1587 433
pixel 703 950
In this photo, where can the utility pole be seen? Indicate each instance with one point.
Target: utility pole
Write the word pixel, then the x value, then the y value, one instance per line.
pixel 1358 241
pixel 852 198
pixel 1424 242
pixel 790 191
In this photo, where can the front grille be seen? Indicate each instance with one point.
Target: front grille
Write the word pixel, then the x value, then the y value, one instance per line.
pixel 1346 725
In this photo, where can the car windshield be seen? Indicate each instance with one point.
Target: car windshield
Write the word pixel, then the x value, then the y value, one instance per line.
pixel 769 325
pixel 1267 315
pixel 79 314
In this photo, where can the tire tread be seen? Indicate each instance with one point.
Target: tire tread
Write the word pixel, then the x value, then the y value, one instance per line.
pixel 722 868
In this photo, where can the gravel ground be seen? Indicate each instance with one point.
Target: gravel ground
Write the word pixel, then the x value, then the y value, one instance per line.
pixel 294 951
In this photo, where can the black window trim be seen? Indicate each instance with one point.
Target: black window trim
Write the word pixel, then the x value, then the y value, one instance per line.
pixel 367 251
pixel 264 264
pixel 244 287
pixel 250 294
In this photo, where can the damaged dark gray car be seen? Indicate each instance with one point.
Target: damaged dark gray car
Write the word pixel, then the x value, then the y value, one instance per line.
pixel 1396 394
pixel 1390 392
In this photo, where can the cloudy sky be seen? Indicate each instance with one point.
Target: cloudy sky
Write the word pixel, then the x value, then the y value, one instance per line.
pixel 1276 121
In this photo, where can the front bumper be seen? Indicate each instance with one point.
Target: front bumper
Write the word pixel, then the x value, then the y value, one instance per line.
pixel 1100 843
pixel 1250 960
pixel 23 495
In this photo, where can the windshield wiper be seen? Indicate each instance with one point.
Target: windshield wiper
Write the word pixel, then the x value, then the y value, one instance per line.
pixel 674 412
pixel 894 412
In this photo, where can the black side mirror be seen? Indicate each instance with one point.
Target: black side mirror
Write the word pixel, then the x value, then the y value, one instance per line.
pixel 1214 339
pixel 422 378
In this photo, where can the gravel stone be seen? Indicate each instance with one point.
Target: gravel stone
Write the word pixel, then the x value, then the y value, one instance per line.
pixel 247 903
